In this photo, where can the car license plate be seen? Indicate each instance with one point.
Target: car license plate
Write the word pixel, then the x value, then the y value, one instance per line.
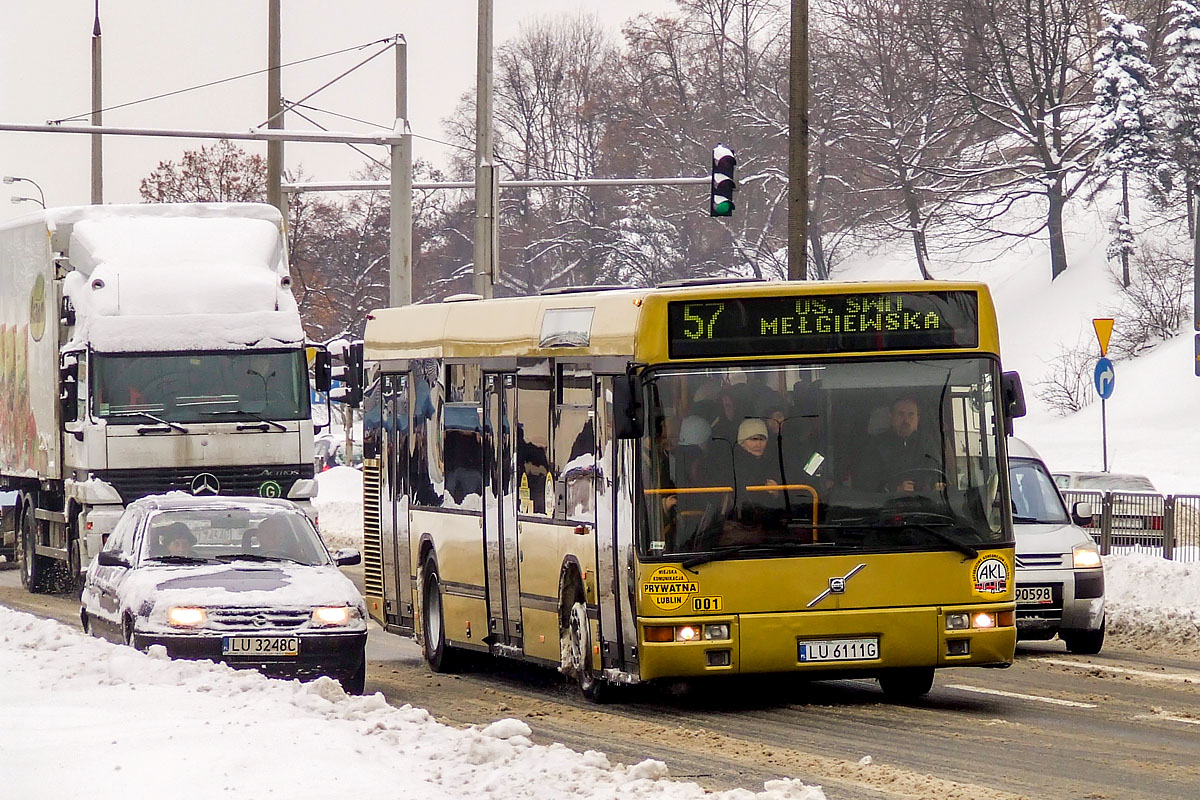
pixel 1034 595
pixel 812 650
pixel 260 645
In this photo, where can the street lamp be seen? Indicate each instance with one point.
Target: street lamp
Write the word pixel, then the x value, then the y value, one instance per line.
pixel 17 179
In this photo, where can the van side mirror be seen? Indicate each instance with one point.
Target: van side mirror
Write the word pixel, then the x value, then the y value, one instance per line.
pixel 1013 397
pixel 627 407
pixel 1081 513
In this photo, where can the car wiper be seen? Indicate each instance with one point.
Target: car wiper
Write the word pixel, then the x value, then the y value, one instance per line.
pixel 174 559
pixel 251 414
pixel 149 416
pixel 1025 520
pixel 254 557
pixel 722 553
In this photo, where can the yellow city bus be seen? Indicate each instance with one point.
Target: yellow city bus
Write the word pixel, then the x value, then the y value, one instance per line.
pixel 570 479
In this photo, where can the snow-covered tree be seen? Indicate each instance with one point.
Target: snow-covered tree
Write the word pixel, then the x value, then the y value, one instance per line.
pixel 1181 90
pixel 1126 118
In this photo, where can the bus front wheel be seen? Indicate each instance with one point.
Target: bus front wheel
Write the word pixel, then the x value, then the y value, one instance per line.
pixel 907 683
pixel 579 632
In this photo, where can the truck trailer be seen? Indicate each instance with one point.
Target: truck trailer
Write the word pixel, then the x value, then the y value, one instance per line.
pixel 144 349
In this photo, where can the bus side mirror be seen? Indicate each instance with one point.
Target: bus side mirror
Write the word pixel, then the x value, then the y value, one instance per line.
pixel 627 408
pixel 322 371
pixel 1014 398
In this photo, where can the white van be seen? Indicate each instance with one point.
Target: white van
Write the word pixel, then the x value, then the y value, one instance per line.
pixel 1059 575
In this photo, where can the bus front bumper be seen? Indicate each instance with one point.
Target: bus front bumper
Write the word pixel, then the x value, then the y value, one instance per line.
pixel 843 641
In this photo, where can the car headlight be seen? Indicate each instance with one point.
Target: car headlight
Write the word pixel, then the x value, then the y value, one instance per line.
pixel 186 616
pixel 1085 555
pixel 334 615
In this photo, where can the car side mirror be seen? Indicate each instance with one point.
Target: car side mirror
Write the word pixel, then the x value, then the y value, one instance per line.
pixel 1081 513
pixel 347 557
pixel 109 558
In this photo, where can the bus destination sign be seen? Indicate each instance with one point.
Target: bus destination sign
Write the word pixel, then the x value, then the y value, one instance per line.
pixel 827 323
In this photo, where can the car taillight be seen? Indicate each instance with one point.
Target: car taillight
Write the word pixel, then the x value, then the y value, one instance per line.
pixel 1154 523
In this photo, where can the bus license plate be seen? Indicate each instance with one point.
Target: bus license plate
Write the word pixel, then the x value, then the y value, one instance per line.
pixel 1034 595
pixel 260 645
pixel 838 650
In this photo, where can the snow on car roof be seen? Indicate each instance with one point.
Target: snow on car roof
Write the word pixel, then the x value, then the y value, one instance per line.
pixel 1112 481
pixel 183 500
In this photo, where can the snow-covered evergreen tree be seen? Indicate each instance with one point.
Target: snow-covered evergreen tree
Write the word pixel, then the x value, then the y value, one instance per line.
pixel 1181 93
pixel 1126 118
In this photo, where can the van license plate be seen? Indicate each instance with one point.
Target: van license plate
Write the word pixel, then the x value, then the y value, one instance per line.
pixel 813 650
pixel 1034 595
pixel 260 645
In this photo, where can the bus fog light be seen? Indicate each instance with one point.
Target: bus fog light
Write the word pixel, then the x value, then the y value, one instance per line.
pixel 983 620
pixel 719 658
pixel 686 633
pixel 717 632
pixel 958 622
pixel 958 647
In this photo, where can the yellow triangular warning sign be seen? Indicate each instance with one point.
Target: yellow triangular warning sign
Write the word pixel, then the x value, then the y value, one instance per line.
pixel 1103 328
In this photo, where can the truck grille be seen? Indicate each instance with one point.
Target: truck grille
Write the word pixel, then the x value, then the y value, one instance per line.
pixel 271 480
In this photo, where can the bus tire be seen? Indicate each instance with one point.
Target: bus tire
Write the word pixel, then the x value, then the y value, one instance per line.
pixel 440 656
pixel 907 683
pixel 35 569
pixel 580 641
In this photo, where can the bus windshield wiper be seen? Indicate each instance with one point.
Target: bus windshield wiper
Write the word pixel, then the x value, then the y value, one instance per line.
pixel 934 528
pixel 173 425
pixel 251 414
pixel 722 553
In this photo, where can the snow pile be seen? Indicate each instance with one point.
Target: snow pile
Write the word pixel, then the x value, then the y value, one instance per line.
pixel 141 725
pixel 1152 602
pixel 339 507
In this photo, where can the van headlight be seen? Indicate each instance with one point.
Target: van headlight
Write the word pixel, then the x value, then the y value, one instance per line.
pixel 1084 556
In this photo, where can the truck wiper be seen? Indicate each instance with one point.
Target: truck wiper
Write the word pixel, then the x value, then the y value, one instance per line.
pixel 251 414
pixel 173 425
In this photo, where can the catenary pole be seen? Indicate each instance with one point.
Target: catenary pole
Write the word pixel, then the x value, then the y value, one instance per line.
pixel 97 114
pixel 485 167
pixel 274 111
pixel 400 274
pixel 798 145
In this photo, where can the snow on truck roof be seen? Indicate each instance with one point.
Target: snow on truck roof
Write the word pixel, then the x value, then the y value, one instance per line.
pixel 189 276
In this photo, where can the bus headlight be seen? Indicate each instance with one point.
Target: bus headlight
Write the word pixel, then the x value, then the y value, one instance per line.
pixel 1085 555
pixel 718 632
pixel 686 633
pixel 958 622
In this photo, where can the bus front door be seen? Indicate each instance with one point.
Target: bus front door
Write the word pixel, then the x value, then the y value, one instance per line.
pixel 500 514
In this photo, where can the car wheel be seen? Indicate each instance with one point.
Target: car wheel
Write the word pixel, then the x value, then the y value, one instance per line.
pixel 84 622
pixel 34 568
pixel 356 683
pixel 1084 643
pixel 127 631
pixel 579 644
pixel 440 656
pixel 906 683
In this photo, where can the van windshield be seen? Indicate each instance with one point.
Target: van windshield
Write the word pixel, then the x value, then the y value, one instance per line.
pixel 1034 497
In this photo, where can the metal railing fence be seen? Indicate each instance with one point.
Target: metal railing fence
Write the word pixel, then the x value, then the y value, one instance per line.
pixel 1126 522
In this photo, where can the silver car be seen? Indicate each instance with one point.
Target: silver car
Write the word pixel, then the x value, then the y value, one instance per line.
pixel 1059 575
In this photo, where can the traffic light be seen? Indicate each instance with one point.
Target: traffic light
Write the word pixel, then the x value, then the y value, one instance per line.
pixel 348 369
pixel 723 186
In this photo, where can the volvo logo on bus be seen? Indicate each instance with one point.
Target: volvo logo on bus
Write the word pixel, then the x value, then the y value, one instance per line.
pixel 206 483
pixel 837 585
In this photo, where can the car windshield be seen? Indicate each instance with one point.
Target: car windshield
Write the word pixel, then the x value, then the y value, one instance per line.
pixel 1034 497
pixel 224 534
pixel 200 387
pixel 793 458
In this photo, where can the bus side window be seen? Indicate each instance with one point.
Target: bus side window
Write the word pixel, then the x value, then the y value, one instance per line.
pixel 425 473
pixel 574 465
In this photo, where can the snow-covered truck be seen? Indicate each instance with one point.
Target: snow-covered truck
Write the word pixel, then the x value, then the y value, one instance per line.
pixel 144 349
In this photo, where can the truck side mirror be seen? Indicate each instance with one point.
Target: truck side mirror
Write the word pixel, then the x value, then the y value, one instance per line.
pixel 322 371
pixel 1013 397
pixel 68 393
pixel 627 408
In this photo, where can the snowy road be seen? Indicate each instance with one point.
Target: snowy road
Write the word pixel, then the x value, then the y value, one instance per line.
pixel 1123 724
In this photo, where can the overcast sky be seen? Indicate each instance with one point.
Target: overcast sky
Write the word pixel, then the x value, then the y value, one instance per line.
pixel 153 47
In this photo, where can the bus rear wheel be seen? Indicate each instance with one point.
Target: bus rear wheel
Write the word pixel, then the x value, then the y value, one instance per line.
pixel 906 683
pixel 440 656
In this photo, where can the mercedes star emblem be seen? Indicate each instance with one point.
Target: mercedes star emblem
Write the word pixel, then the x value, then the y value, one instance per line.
pixel 206 483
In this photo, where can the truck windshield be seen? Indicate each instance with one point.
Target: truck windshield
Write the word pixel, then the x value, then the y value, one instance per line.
pixel 256 384
pixel 787 459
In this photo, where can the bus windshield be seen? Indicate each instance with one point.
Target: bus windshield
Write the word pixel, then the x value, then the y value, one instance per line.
pixel 790 458
pixel 200 387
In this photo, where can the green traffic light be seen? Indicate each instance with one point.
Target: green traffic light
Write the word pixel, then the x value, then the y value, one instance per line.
pixel 722 208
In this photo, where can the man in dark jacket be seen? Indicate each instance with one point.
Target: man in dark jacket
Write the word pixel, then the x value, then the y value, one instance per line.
pixel 903 458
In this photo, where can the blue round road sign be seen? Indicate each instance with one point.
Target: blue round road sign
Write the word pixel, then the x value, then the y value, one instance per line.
pixel 1105 378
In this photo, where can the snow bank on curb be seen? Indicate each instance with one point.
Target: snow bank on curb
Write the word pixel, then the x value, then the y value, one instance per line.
pixel 1153 603
pixel 141 725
